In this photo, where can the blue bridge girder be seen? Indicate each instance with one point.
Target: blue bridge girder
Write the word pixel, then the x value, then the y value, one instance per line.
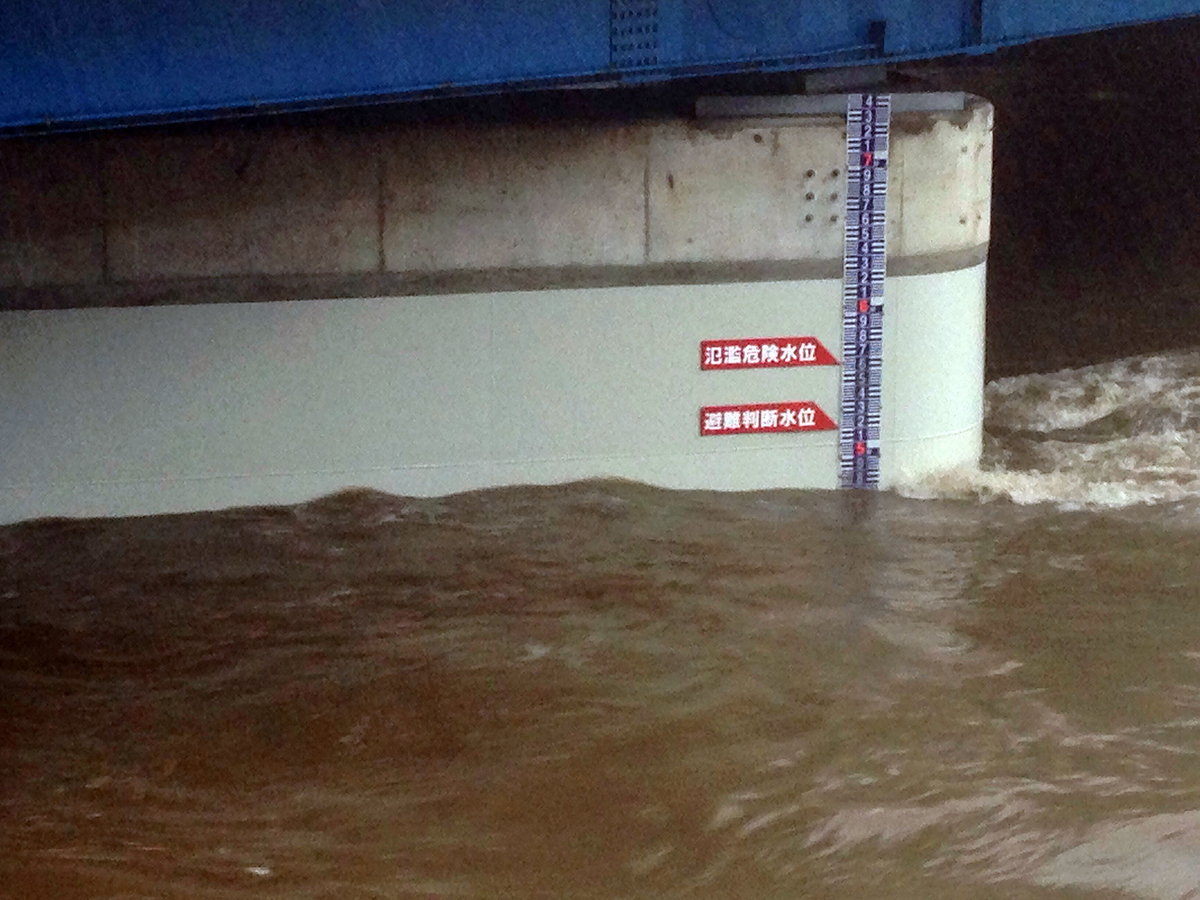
pixel 68 64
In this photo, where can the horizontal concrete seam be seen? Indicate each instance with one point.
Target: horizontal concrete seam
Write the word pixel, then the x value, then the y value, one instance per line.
pixel 978 424
pixel 330 286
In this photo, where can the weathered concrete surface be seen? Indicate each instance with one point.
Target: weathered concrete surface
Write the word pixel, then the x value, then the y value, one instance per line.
pixel 775 189
pixel 742 190
pixel 51 227
pixel 514 196
pixel 146 209
pixel 241 202
pixel 943 192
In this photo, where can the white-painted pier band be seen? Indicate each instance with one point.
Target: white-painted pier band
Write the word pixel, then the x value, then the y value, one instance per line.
pixel 482 306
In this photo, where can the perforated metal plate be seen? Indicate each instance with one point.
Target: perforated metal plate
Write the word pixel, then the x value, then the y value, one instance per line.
pixel 633 33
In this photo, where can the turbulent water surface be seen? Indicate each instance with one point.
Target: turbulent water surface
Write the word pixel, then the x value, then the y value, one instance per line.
pixel 985 685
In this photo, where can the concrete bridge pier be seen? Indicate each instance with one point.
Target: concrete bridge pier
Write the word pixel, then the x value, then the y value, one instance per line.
pixel 202 319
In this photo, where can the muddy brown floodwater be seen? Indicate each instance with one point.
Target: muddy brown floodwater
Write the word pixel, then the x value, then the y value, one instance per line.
pixel 990 688
pixel 985 685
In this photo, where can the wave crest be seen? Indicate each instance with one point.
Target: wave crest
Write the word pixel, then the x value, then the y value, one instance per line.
pixel 1109 435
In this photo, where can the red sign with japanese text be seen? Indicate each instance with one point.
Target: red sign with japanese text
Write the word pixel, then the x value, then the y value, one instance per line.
pixel 764 418
pixel 764 353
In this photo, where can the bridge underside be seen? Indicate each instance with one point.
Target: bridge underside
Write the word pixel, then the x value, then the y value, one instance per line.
pixel 68 64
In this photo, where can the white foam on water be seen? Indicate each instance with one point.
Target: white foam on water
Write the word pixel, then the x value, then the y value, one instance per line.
pixel 1111 435
pixel 1156 857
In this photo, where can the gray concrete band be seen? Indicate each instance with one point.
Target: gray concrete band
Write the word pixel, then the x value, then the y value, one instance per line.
pixel 248 289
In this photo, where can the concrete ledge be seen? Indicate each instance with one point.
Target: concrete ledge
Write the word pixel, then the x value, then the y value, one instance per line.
pixel 252 289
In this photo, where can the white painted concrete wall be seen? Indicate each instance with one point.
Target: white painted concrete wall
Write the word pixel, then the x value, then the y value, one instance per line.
pixel 130 411
pixel 115 411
